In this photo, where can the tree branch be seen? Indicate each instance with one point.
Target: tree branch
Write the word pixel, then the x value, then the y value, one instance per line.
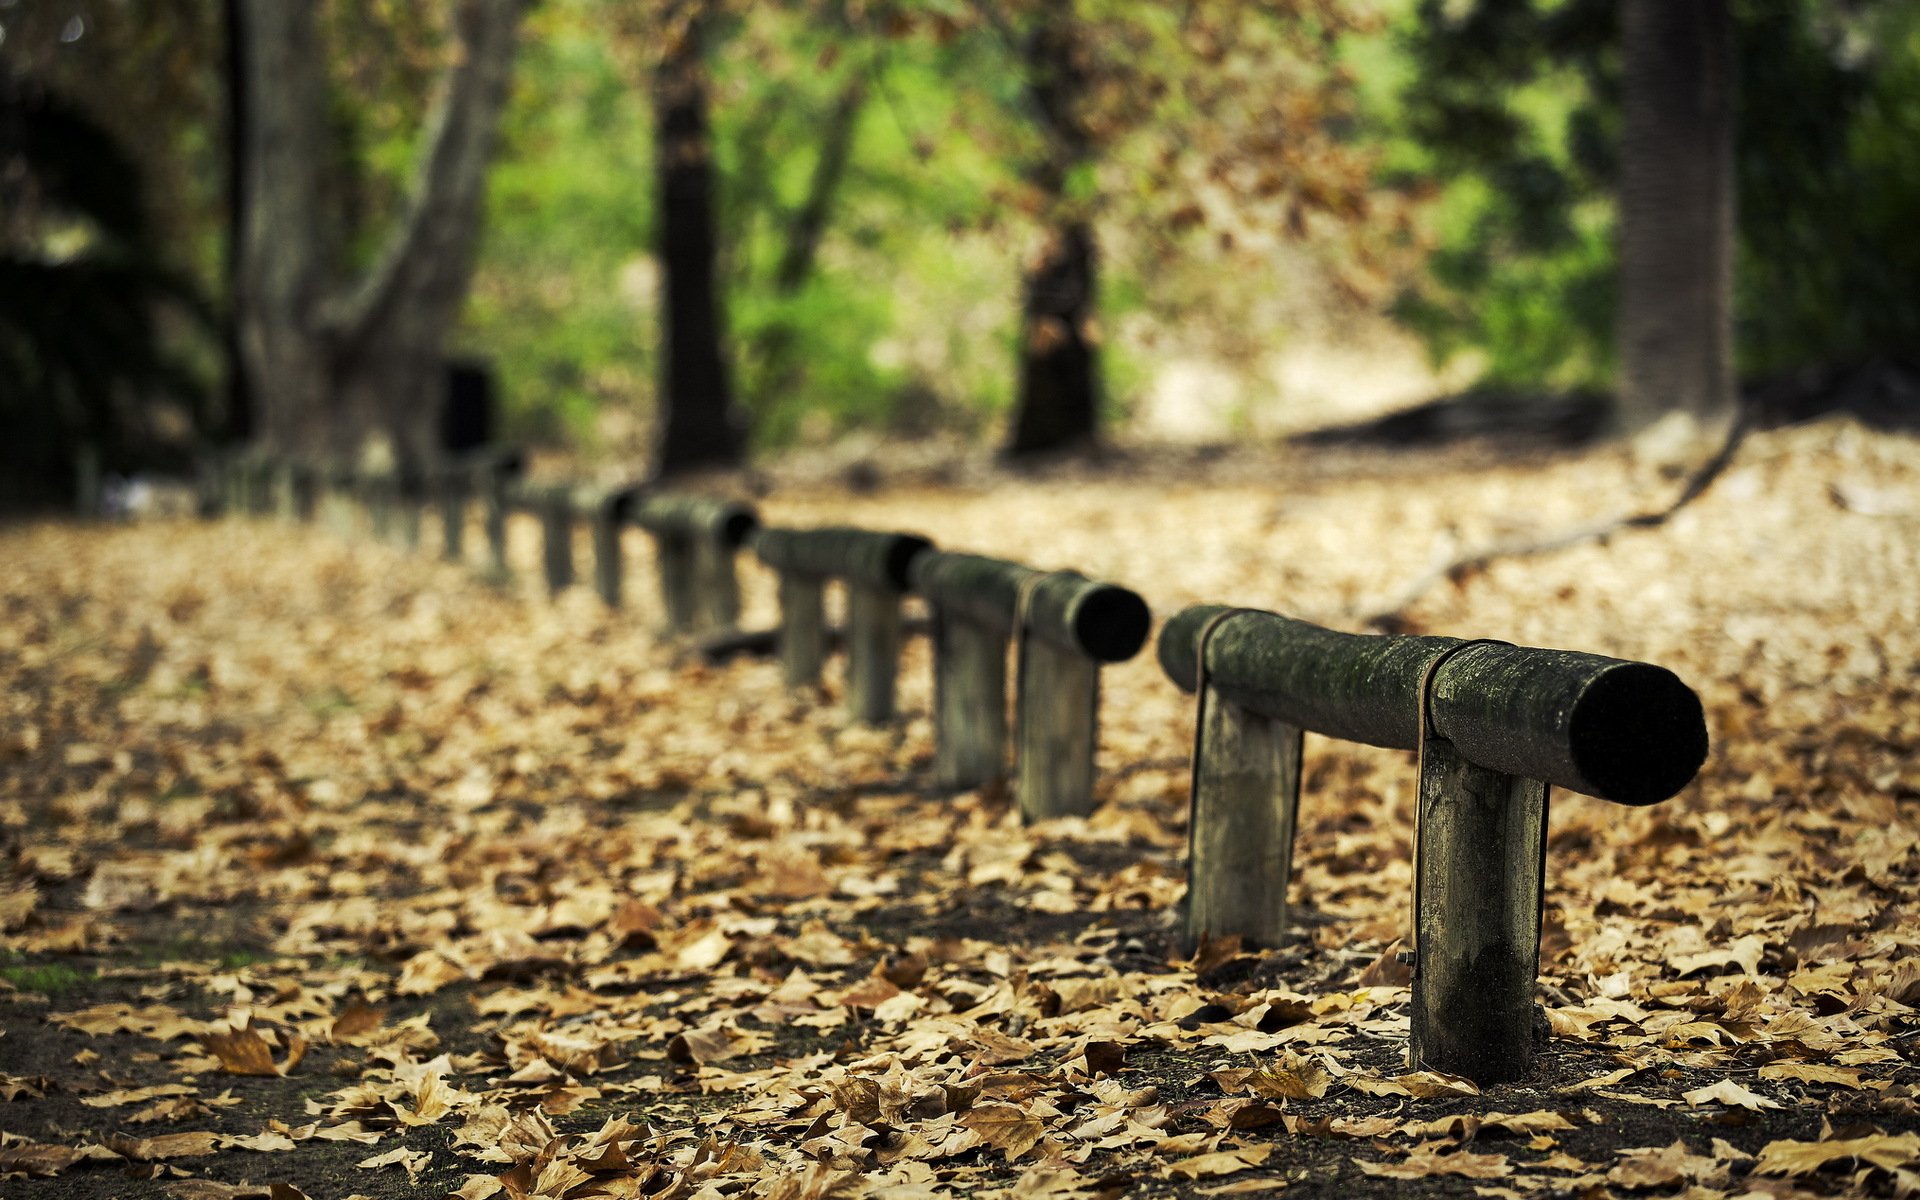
pixel 421 272
pixel 1392 618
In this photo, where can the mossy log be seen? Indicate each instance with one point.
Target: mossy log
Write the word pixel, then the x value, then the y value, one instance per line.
pixel 1624 731
pixel 879 560
pixel 728 522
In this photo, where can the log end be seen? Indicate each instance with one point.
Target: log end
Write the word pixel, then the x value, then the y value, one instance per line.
pixel 904 548
pixel 1111 624
pixel 1638 734
pixel 738 525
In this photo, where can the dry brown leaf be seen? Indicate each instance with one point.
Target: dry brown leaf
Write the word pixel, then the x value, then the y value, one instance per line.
pixel 165 1146
pixel 1889 1152
pixel 1294 1077
pixel 1729 1093
pixel 1425 1162
pixel 1220 1162
pixel 1010 1130
pixel 245 1052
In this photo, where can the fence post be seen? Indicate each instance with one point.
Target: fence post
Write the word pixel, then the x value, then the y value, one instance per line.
pixel 609 516
pixel 1246 796
pixel 803 628
pixel 379 490
pixel 452 489
pixel 673 553
pixel 969 701
pixel 716 584
pixel 695 540
pixel 493 486
pixel 873 650
pixel 1480 864
pixel 556 533
pixel 1059 703
pixel 1495 726
pixel 1065 627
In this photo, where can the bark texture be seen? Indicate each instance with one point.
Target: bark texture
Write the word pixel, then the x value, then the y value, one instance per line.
pixel 698 426
pixel 331 365
pixel 1059 398
pixel 1677 212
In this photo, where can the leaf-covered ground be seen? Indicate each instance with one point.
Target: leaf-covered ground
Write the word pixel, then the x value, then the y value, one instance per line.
pixel 333 871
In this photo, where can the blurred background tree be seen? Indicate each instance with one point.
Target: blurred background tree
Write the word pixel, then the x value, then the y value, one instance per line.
pixel 1518 104
pixel 105 336
pixel 923 213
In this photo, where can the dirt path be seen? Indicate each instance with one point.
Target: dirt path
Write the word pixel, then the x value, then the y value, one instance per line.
pixel 335 870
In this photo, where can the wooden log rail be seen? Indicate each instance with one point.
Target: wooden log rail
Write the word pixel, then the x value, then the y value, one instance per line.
pixel 1496 725
pixel 876 569
pixel 1064 626
pixel 696 541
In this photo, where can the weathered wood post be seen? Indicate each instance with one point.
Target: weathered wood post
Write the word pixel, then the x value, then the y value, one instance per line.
pixel 695 541
pixel 410 500
pixel 380 493
pixel 88 484
pixel 875 567
pixel 450 487
pixel 555 506
pixel 1069 625
pixel 974 603
pixel 495 479
pixel 977 606
pixel 608 512
pixel 1496 726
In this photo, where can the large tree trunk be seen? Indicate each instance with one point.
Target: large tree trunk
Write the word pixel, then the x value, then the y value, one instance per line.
pixel 330 371
pixel 1677 212
pixel 1059 367
pixel 697 423
pixel 233 422
pixel 1058 406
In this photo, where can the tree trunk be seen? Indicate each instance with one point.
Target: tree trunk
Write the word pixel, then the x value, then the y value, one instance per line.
pixel 1058 403
pixel 1677 212
pixel 697 423
pixel 280 272
pixel 1058 407
pixel 234 421
pixel 331 371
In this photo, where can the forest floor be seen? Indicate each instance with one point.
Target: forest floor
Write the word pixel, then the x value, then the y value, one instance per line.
pixel 328 870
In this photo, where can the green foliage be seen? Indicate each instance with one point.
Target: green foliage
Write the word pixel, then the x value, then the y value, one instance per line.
pixel 52 979
pixel 1514 103
pixel 83 294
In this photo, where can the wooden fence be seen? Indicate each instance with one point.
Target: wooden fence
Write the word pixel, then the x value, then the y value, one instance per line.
pixel 1495 725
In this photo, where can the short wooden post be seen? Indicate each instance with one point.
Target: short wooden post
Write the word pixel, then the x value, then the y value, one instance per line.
pixel 609 518
pixel 88 488
pixel 408 503
pixel 493 497
pixel 1059 701
pixel 1480 865
pixel 556 528
pixel 679 593
pixel 873 651
pixel 716 585
pixel 1245 800
pixel 380 502
pixel 803 627
pixel 453 516
pixel 969 702
pixel 336 503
